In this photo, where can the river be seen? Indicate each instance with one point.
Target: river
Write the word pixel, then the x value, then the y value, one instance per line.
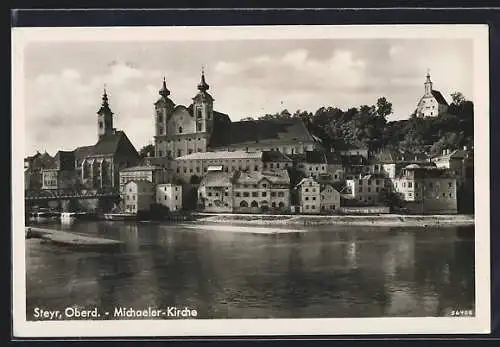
pixel 324 272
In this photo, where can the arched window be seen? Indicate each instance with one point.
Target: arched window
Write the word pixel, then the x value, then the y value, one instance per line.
pixel 243 204
pixel 180 130
pixel 273 204
pixel 254 204
pixel 281 205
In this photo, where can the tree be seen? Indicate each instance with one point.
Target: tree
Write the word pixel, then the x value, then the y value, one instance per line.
pixel 146 151
pixel 384 107
pixel 458 98
pixel 247 119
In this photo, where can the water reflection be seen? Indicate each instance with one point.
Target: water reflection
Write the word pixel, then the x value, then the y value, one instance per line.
pixel 328 272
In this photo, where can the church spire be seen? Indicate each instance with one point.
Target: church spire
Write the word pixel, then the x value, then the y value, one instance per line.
pixel 428 83
pixel 203 86
pixel 105 102
pixel 164 92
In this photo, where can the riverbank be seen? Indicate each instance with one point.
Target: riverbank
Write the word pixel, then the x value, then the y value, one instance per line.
pixel 70 239
pixel 387 220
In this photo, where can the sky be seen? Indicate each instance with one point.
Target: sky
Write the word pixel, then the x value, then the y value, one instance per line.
pixel 248 78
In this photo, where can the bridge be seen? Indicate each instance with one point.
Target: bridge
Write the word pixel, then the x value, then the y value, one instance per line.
pixel 64 194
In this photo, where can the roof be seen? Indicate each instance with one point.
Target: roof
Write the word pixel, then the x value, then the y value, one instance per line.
pixel 141 168
pixel 386 156
pixel 276 177
pixel 304 180
pixel 260 131
pixel 456 154
pixel 353 146
pixel 82 152
pixel 439 97
pixel 333 158
pixel 221 155
pixel 65 160
pixel 217 179
pixel 315 157
pixel 353 160
pixel 429 172
pixel 139 182
pixel 115 143
pixel 325 186
pixel 275 156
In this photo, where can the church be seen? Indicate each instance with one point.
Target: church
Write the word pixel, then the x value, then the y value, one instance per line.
pixel 433 103
pixel 182 130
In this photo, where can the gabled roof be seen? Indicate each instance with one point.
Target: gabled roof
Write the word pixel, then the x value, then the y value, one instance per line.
pixel 325 186
pixel 262 132
pixel 386 156
pixel 110 144
pixel 84 151
pixel 304 180
pixel 315 157
pixel 217 179
pixel 275 156
pixel 275 177
pixel 439 97
pixel 333 158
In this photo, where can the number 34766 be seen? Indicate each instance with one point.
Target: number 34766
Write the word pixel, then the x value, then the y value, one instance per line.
pixel 461 313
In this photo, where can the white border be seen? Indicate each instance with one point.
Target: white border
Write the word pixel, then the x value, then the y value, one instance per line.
pixel 247 327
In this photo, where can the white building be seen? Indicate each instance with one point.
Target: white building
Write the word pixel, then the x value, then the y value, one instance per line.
pixel 366 189
pixel 138 196
pixel 433 103
pixel 169 195
pixel 309 196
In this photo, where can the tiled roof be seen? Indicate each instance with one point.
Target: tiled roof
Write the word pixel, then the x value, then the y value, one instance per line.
pixel 333 158
pixel 217 179
pixel 385 156
pixel 261 131
pixel 306 179
pixel 117 142
pixel 315 157
pixel 439 97
pixel 351 146
pixel 325 186
pixel 82 152
pixel 221 155
pixel 275 156
pixel 276 177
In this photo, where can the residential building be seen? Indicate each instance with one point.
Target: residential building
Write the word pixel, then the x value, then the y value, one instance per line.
pixel 427 189
pixel 459 161
pixel 261 191
pixel 334 167
pixel 354 166
pixel 349 150
pixel 389 163
pixel 432 103
pixel 311 163
pixel 198 164
pixel 152 173
pixel 182 130
pixel 309 195
pixel 138 196
pixel 33 167
pixel 61 174
pixel 330 199
pixel 275 160
pixel 169 195
pixel 215 192
pixel 366 189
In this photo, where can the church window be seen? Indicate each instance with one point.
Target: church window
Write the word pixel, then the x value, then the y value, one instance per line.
pixel 198 112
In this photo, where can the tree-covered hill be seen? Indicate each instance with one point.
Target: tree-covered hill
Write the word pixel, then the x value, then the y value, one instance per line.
pixel 367 126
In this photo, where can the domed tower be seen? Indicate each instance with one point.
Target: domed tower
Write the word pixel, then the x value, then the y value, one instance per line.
pixel 203 107
pixel 104 117
pixel 428 84
pixel 163 109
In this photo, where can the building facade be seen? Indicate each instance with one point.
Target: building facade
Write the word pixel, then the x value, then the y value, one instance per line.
pixel 170 196
pixel 427 190
pixel 367 189
pixel 256 192
pixel 330 199
pixel 138 196
pixel 215 192
pixel 152 173
pixel 309 195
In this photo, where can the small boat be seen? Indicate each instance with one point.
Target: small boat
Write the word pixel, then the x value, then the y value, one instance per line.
pixel 120 216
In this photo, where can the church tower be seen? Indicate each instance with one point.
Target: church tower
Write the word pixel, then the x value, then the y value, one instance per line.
pixel 163 109
pixel 428 85
pixel 203 107
pixel 104 118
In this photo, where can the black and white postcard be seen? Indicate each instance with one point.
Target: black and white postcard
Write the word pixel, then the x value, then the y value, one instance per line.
pixel 265 180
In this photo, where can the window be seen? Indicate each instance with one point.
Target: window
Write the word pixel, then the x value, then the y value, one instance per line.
pixel 246 194
pixel 369 190
pixel 314 198
pixel 410 185
pixel 281 194
pixel 360 182
pixel 160 118
pixel 176 197
pixel 264 185
pixel 360 189
pixel 314 190
pixel 307 190
pixel 377 182
pixel 449 184
pixel 238 194
pixel 255 194
pixel 179 152
pixel 209 194
pixel 307 207
pixel 306 198
pixel 273 194
pixel 180 130
pixel 256 168
pixel 264 194
pixel 190 151
pixel 313 207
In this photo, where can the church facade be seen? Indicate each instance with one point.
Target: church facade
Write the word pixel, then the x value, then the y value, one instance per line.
pixel 182 130
pixel 433 103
